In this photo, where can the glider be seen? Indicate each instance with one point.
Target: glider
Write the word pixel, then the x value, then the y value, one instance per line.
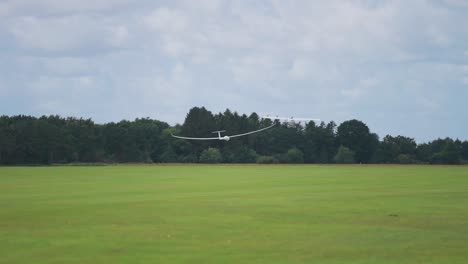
pixel 225 138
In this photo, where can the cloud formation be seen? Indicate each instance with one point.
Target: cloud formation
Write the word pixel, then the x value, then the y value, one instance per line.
pixel 399 66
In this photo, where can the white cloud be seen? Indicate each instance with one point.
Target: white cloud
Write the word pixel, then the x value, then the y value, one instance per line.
pixel 299 69
pixel 68 33
pixel 58 66
pixel 4 9
pixel 167 20
pixel 53 85
pixel 206 6
pixel 170 26
pixel 427 104
pixel 458 3
pixel 438 37
pixel 3 89
pixel 252 67
pixel 362 88
pixel 463 72
pixel 118 35
pixel 58 7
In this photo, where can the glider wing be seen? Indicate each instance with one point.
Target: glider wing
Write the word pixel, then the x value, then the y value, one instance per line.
pixel 212 138
pixel 251 132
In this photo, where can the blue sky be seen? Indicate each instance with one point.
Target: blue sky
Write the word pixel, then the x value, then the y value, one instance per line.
pixel 400 66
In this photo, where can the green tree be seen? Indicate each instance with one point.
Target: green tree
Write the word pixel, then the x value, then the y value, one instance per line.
pixel 211 155
pixel 404 159
pixel 239 154
pixel 391 148
pixel 54 139
pixel 344 156
pixel 7 141
pixel 320 142
pixel 199 122
pixel 169 155
pixel 449 154
pixel 267 160
pixel 356 136
pixel 424 153
pixel 246 155
pixel 295 155
pixel 464 151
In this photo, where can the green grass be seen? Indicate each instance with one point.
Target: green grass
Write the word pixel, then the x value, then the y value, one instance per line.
pixel 234 214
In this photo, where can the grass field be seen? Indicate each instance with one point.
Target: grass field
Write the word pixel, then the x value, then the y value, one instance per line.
pixel 234 214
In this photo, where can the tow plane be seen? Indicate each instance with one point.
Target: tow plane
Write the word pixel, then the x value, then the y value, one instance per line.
pixel 290 119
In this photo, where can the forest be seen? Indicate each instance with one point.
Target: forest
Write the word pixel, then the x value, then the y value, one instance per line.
pixel 28 140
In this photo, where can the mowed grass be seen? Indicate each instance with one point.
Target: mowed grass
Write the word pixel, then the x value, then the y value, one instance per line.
pixel 234 214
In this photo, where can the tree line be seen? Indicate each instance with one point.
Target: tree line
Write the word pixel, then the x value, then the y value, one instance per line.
pixel 54 139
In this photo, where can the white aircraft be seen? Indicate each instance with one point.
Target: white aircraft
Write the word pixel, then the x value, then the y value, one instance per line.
pixel 225 138
pixel 290 119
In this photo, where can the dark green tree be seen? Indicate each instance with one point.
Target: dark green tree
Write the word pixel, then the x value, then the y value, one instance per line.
pixel 211 155
pixel 295 155
pixel 344 156
pixel 7 141
pixel 54 139
pixel 391 148
pixel 356 136
pixel 199 122
pixel 448 155
pixel 267 160
pixel 464 151
pixel 320 142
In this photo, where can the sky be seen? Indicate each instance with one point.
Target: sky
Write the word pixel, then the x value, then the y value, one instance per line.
pixel 399 66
